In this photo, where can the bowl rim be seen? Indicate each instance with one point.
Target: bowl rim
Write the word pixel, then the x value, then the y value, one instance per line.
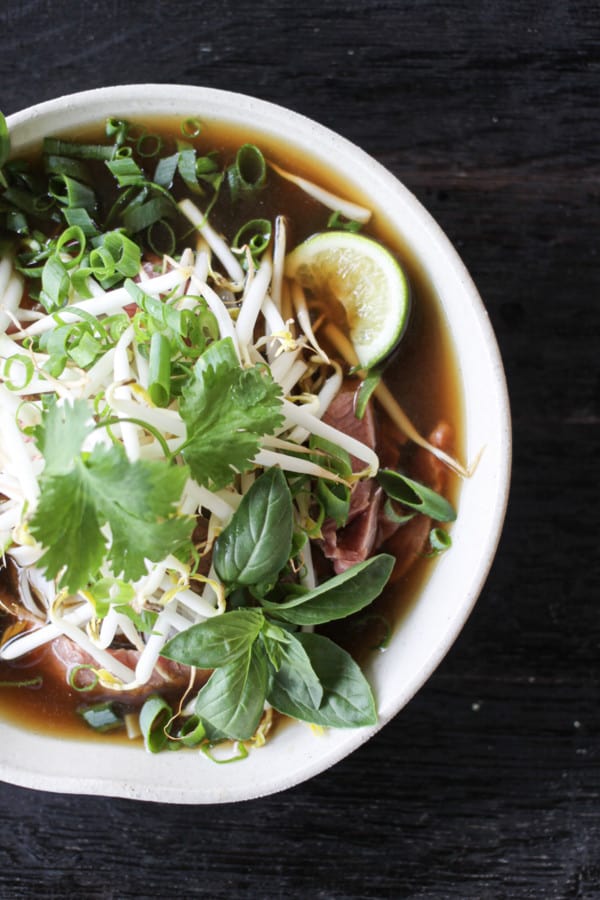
pixel 275 119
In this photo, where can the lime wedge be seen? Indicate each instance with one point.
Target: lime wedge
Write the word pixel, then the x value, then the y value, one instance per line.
pixel 365 278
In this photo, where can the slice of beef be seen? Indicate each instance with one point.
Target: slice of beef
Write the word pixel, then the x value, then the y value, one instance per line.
pixel 168 676
pixel 340 414
pixel 354 542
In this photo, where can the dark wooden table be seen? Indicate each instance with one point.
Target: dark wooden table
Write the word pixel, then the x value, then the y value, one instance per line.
pixel 488 784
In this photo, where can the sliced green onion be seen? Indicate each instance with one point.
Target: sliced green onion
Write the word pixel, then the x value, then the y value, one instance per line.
pixel 192 731
pixel 391 514
pixel 159 377
pixel 63 165
pixel 416 496
pixel 154 716
pixel 55 284
pixel 141 216
pixel 165 170
pixel 87 351
pixel 367 386
pixel 191 127
pixel 117 129
pixel 439 540
pixel 161 238
pixel 70 192
pixel 72 241
pixel 26 362
pixel 126 253
pixel 80 217
pixel 82 687
pixel 186 167
pixel 33 204
pixel 249 172
pixel 255 234
pixel 242 753
pixel 15 220
pixel 28 683
pixel 339 222
pixel 54 147
pixel 126 171
pixel 134 132
pixel 101 717
pixel 149 145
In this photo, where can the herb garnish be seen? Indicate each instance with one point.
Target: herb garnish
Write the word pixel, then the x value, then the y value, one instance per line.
pixel 255 654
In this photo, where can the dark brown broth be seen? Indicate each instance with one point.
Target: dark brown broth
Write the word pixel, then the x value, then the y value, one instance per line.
pixel 423 377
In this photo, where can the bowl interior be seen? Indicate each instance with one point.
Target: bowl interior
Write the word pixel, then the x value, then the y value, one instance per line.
pixel 431 625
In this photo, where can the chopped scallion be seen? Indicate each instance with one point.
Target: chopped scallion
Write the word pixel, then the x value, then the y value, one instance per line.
pixel 101 717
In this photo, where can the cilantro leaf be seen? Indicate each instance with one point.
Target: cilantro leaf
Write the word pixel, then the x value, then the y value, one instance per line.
pixel 136 500
pixel 226 409
pixel 65 522
pixel 61 434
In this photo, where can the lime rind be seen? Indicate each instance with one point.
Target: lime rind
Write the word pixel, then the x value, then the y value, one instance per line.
pixel 366 279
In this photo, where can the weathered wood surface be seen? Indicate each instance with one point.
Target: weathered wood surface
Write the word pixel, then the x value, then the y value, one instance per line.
pixel 487 785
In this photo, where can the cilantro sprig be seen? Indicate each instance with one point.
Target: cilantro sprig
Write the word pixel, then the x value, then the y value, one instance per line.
pixel 227 409
pixel 99 507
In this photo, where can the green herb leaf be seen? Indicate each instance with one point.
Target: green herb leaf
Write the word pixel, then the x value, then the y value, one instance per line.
pixel 232 700
pixel 294 673
pixel 257 543
pixel 61 434
pixel 78 496
pixel 226 410
pixel 416 496
pixel 347 698
pixel 338 597
pixel 218 641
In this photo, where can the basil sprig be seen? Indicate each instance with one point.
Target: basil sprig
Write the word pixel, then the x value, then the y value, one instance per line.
pixel 255 652
pixel 305 676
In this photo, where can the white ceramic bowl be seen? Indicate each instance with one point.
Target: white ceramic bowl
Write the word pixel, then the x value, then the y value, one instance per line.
pixel 434 621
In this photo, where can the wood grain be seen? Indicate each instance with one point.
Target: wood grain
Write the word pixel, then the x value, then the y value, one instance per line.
pixel 487 784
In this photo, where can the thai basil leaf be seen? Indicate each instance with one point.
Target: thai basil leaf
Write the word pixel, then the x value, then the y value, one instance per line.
pixel 232 700
pixel 416 496
pixel 347 698
pixel 295 675
pixel 257 543
pixel 338 597
pixel 218 641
